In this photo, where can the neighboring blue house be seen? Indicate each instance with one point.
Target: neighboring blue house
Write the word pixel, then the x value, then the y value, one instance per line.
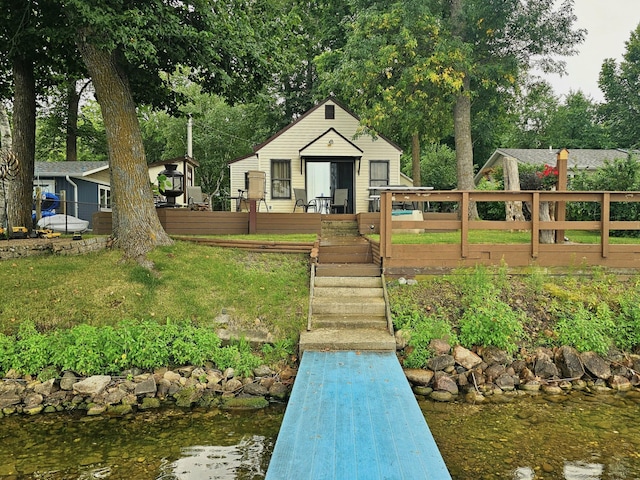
pixel 86 185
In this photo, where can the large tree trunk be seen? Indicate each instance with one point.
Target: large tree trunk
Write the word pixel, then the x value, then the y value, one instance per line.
pixel 136 227
pixel 462 118
pixel 20 191
pixel 415 160
pixel 513 210
pixel 5 148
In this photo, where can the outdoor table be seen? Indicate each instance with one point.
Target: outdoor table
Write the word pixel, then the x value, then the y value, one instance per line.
pixel 323 204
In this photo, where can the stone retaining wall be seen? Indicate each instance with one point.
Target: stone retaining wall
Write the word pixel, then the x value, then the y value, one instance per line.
pixel 184 387
pixel 19 248
pixel 491 375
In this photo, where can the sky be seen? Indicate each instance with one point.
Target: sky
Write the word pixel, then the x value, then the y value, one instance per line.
pixel 609 24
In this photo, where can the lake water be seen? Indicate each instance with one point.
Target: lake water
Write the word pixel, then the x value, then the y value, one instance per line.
pixel 572 437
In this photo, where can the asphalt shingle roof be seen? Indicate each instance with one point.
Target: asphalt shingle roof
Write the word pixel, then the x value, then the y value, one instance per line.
pixel 62 169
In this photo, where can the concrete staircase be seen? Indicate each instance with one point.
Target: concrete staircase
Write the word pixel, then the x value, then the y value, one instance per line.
pixel 347 308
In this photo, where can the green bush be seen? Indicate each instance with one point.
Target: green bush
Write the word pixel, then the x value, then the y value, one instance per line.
pixel 626 334
pixel 427 328
pixel 7 352
pixel 584 329
pixel 33 350
pixel 491 322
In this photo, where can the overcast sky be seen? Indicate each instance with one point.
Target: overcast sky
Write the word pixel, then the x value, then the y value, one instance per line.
pixel 609 24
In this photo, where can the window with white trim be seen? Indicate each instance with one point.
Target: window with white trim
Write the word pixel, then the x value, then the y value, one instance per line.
pixel 378 173
pixel 104 198
pixel 281 179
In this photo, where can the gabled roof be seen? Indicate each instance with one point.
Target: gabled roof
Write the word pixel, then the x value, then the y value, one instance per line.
pixel 328 142
pixel 579 158
pixel 300 119
pixel 71 169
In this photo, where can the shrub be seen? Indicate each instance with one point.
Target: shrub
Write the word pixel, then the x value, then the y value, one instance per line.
pixel 424 330
pixel 491 322
pixel 626 334
pixel 32 350
pixel 584 329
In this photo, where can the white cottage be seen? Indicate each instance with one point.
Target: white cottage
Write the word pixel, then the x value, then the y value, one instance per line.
pixel 319 154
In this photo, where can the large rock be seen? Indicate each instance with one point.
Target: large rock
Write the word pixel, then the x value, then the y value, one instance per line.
pixel 255 389
pixel 419 376
pixel 505 382
pixel 439 346
pixel 9 399
pixel 568 360
pixel 67 380
pixel 443 382
pixel 94 385
pixel 493 355
pixel 147 386
pixel 46 388
pixel 596 365
pixel 545 368
pixel 494 371
pixel 441 362
pixel 465 357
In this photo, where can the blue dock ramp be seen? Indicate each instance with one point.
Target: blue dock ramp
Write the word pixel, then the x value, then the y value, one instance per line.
pixel 353 416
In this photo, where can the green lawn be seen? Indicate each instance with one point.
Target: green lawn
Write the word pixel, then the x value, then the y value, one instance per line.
pixel 496 237
pixel 194 283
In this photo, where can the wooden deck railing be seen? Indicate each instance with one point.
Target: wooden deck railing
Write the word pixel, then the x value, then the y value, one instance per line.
pixel 398 257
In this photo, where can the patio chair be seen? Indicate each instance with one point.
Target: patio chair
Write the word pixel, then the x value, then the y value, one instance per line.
pixel 195 199
pixel 301 200
pixel 340 200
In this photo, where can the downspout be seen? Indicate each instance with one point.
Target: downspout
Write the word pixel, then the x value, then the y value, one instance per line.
pixel 75 195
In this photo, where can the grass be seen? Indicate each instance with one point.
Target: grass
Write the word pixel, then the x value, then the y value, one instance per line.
pixel 495 237
pixel 266 237
pixel 195 283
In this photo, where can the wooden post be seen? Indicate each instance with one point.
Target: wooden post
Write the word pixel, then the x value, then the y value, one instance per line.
pixel 464 226
pixel 253 217
pixel 38 204
pixel 604 230
pixel 561 207
pixel 535 224
pixel 386 225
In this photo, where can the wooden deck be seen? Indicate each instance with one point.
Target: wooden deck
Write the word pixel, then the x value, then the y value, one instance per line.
pixel 353 416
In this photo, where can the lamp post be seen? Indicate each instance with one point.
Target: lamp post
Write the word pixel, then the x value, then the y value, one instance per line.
pixel 171 183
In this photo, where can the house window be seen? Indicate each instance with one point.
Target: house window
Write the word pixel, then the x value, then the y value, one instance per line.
pixel 104 198
pixel 329 112
pixel 281 179
pixel 378 173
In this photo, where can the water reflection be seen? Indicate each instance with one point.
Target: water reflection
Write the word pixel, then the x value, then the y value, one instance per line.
pixel 573 438
pixel 208 462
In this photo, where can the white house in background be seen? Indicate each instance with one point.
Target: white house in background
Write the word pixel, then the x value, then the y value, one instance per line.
pixel 185 165
pixel 318 153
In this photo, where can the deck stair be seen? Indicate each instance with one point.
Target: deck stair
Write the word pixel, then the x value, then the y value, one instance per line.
pixel 348 310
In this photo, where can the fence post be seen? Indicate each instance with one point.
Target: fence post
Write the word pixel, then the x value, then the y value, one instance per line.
pixel 561 207
pixel 535 224
pixel 604 219
pixel 464 225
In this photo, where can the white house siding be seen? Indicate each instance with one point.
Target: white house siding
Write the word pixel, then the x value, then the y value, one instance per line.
pixel 287 146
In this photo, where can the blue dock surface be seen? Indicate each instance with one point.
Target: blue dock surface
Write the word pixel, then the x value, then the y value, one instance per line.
pixel 352 415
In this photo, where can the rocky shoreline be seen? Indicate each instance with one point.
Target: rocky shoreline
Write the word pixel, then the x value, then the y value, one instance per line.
pixel 184 387
pixel 491 375
pixel 452 374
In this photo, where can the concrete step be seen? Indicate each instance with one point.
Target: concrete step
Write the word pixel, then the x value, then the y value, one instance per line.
pixel 348 270
pixel 347 291
pixel 345 256
pixel 372 306
pixel 348 322
pixel 327 339
pixel 352 282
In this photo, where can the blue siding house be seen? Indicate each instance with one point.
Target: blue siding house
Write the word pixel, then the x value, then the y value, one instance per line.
pixel 86 186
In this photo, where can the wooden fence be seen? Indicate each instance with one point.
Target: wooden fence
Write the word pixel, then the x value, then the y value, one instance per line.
pixel 419 258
